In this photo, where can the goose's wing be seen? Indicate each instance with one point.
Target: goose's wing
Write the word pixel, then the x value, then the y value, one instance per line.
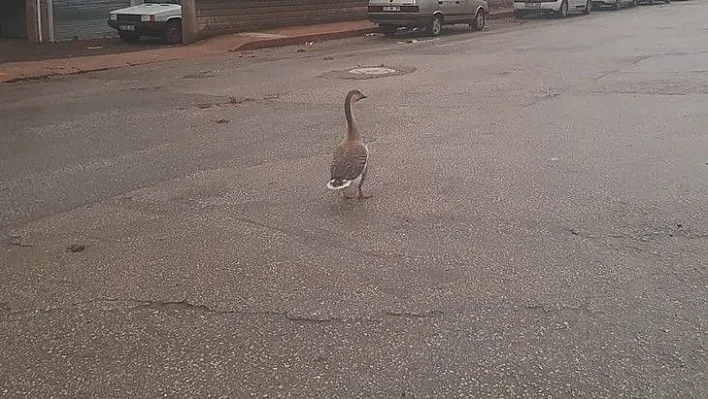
pixel 348 162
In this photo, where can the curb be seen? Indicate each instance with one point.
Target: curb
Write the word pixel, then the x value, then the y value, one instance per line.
pixel 253 45
pixel 294 40
pixel 256 44
pixel 501 15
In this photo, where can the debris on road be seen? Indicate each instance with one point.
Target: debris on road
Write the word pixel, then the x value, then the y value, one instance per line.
pixel 76 248
pixel 200 75
pixel 18 241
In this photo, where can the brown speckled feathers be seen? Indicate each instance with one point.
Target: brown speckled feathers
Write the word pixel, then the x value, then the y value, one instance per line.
pixel 350 158
pixel 348 162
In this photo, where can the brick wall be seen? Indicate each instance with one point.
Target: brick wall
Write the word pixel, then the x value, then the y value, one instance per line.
pixel 204 18
pixel 216 17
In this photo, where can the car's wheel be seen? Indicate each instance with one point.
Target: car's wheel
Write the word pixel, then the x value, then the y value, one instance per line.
pixel 480 20
pixel 588 7
pixel 563 11
pixel 173 32
pixel 129 37
pixel 388 30
pixel 436 25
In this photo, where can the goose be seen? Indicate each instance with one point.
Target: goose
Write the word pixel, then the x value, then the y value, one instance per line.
pixel 350 158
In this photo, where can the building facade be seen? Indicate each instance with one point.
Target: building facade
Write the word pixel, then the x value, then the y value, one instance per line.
pixel 58 20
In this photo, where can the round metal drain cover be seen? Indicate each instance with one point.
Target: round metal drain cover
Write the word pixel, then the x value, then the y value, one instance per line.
pixel 367 72
pixel 373 71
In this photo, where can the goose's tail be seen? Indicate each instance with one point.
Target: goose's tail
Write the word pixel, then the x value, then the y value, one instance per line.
pixel 338 184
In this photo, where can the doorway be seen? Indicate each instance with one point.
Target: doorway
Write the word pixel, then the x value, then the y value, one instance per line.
pixel 13 19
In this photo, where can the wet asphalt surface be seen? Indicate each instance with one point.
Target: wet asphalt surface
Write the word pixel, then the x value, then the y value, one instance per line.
pixel 538 226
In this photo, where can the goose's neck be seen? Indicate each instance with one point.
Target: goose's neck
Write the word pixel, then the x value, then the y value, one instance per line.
pixel 352 130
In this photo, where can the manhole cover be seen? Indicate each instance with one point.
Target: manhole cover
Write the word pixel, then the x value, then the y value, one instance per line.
pixel 373 71
pixel 367 72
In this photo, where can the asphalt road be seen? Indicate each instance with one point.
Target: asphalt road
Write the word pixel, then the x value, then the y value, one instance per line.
pixel 538 228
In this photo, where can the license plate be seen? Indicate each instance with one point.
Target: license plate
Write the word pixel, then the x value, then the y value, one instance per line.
pixel 533 5
pixel 392 8
pixel 126 27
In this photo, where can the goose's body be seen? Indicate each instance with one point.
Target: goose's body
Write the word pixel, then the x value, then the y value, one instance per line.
pixel 351 157
pixel 348 165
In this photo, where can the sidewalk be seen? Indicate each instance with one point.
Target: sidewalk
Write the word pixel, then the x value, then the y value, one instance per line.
pixel 16 71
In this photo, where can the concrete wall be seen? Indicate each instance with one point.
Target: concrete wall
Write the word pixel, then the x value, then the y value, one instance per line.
pixel 39 24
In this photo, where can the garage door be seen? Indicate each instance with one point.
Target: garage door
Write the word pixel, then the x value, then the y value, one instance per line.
pixel 84 19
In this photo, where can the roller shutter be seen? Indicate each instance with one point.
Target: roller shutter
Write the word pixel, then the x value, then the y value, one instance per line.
pixel 84 19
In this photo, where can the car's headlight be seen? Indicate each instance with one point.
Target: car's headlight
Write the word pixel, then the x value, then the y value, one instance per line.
pixel 113 17
pixel 145 18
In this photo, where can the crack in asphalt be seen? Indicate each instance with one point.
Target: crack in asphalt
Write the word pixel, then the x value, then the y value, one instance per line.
pixel 546 95
pixel 677 232
pixel 185 305
pixel 234 101
pixel 636 61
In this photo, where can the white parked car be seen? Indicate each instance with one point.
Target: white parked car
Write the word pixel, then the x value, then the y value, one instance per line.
pixel 560 8
pixel 160 18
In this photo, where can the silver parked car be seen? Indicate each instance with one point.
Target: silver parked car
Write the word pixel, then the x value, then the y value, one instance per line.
pixel 427 14
pixel 615 4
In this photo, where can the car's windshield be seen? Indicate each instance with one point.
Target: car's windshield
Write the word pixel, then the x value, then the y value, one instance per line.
pixel 178 2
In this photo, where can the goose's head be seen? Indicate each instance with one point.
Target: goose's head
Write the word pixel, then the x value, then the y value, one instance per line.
pixel 356 95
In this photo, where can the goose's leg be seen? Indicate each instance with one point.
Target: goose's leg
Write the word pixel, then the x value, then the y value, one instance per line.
pixel 345 194
pixel 361 183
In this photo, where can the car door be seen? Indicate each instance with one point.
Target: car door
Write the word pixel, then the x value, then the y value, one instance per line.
pixel 471 7
pixel 453 10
